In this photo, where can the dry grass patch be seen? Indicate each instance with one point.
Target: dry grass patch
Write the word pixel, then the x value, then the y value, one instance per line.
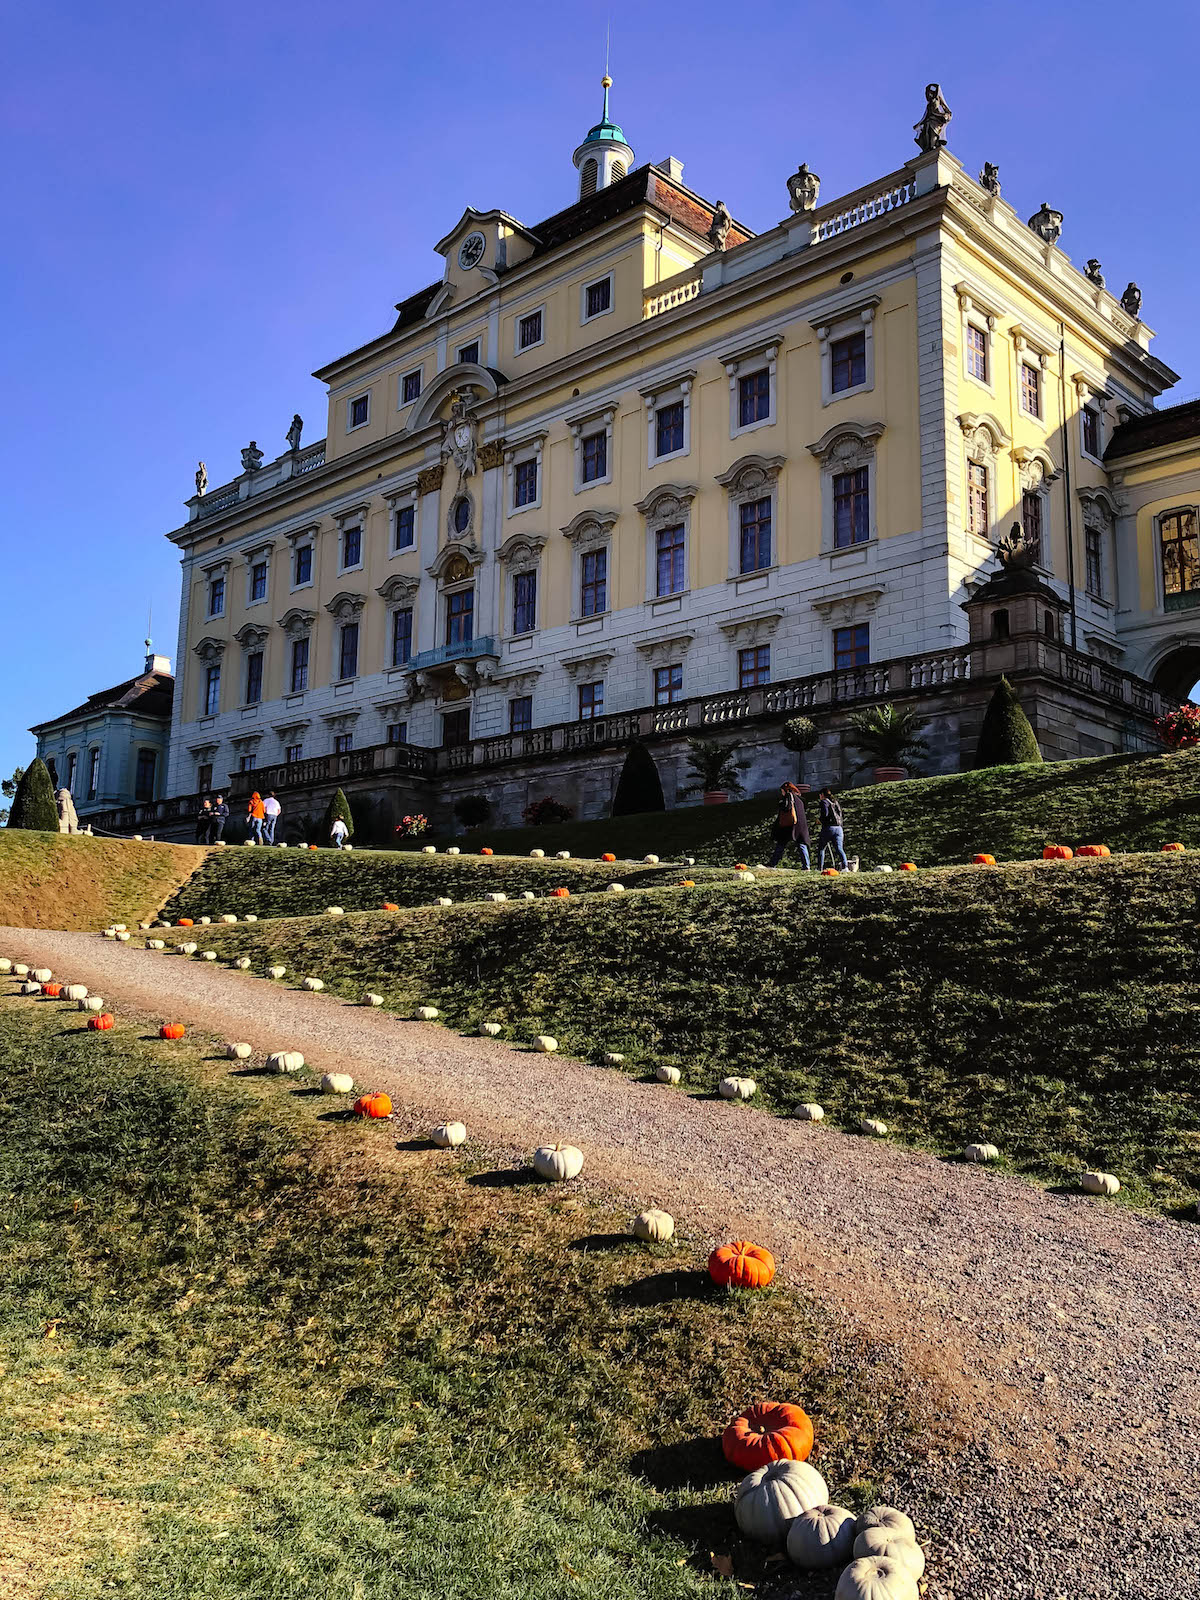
pixel 55 880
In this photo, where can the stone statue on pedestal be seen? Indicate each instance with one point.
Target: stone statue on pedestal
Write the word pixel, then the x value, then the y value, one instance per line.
pixel 252 457
pixel 294 432
pixel 201 478
pixel 718 233
pixel 1047 224
pixel 931 130
pixel 1132 300
pixel 989 178
pixel 1093 274
pixel 803 188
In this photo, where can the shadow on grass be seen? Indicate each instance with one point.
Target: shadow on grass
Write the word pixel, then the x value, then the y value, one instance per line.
pixel 344 1114
pixel 251 1072
pixel 688 1464
pixel 415 1144
pixel 602 1241
pixel 661 1288
pixel 309 1091
pixel 509 1178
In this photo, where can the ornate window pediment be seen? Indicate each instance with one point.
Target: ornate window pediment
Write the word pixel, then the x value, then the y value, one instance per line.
pixel 246 743
pixel 353 516
pixel 521 550
pixel 399 588
pixel 590 527
pixel 251 636
pixel 984 434
pixel 1036 466
pixel 297 623
pixel 346 606
pixel 667 502
pixel 842 611
pixel 1099 506
pixel 751 476
pixel 659 650
pixel 291 732
pixel 203 752
pixel 747 631
pixel 589 666
pixel 340 721
pixel 455 561
pixel 848 444
pixel 211 650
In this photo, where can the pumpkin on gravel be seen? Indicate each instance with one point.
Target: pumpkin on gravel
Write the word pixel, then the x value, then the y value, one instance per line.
pixel 741 1265
pixel 767 1432
pixel 373 1105
pixel 171 1030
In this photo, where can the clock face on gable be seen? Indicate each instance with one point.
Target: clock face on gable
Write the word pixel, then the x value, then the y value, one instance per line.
pixel 471 250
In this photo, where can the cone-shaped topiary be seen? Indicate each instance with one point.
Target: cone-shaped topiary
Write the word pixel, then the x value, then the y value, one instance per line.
pixel 640 787
pixel 33 804
pixel 1006 737
pixel 339 806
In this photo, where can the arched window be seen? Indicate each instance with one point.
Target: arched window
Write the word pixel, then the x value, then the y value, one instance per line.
pixel 587 183
pixel 1180 550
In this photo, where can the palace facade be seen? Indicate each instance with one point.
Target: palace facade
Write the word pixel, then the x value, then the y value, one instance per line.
pixel 635 470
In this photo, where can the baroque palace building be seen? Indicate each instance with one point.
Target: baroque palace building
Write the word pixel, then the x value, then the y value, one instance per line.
pixel 637 471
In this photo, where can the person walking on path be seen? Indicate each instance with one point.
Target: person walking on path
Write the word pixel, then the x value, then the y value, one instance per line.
pixel 271 813
pixel 339 832
pixel 220 816
pixel 204 822
pixel 832 836
pixel 256 814
pixel 791 826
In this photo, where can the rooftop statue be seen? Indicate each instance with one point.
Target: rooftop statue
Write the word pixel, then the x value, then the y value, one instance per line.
pixel 1047 224
pixel 252 457
pixel 931 130
pixel 294 432
pixel 201 478
pixel 718 233
pixel 803 188
pixel 989 178
pixel 1132 300
pixel 1093 274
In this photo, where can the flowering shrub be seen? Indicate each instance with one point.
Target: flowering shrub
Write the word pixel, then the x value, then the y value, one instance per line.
pixel 410 827
pixel 1180 730
pixel 548 809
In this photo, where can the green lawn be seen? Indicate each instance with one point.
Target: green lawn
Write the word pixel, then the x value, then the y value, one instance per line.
pixel 248 1352
pixel 55 880
pixel 1053 1009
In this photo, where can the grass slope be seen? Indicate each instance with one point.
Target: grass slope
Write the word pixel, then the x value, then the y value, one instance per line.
pixel 1126 802
pixel 55 880
pixel 1051 1009
pixel 250 1352
pixel 277 883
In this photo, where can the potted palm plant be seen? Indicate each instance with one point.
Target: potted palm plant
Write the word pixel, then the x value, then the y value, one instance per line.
pixel 889 738
pixel 713 766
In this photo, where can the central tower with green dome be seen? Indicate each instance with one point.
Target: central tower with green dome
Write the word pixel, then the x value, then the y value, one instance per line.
pixel 604 157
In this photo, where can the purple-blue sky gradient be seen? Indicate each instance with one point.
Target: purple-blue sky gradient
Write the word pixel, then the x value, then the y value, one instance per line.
pixel 203 203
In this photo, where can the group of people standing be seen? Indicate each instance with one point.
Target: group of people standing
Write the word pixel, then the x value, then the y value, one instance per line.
pixel 791 828
pixel 261 815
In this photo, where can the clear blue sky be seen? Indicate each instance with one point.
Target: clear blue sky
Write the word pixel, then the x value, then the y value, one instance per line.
pixel 203 203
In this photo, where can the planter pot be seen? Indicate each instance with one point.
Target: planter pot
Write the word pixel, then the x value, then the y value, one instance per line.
pixel 890 774
pixel 715 797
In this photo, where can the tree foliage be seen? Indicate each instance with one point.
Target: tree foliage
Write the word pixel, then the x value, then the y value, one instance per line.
pixel 33 803
pixel 887 736
pixel 639 787
pixel 339 806
pixel 1006 738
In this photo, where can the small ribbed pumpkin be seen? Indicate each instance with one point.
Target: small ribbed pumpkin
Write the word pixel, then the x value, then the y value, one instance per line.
pixel 388 906
pixel 171 1030
pixel 373 1105
pixel 54 990
pixel 185 922
pixel 741 1265
pixel 908 866
pixel 829 872
pixel 983 861
pixel 100 1022
pixel 560 894
pixel 1170 847
pixel 608 856
pixel 487 850
pixel 1093 850
pixel 765 1432
pixel 1057 852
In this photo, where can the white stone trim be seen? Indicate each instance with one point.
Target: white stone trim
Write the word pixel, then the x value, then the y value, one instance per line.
pixel 751 477
pixel 591 283
pixel 531 448
pixel 973 314
pixel 408 372
pixel 744 363
pixel 855 318
pixel 539 311
pixel 351 402
pixel 847 447
pixel 520 553
pixel 666 506
pixel 669 390
pixel 582 427
pixel 398 500
pixel 1030 349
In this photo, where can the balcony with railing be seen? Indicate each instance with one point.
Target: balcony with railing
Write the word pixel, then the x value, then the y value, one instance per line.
pixel 447 654
pixel 292 464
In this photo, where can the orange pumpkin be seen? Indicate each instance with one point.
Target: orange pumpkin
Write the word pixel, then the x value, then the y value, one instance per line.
pixel 312 847
pixel 741 1265
pixel 983 861
pixel 767 1432
pixel 185 922
pixel 52 989
pixel 1172 847
pixel 829 872
pixel 687 883
pixel 560 894
pixel 101 1022
pixel 1093 850
pixel 373 1105
pixel 740 866
pixel 487 850
pixel 908 866
pixel 1057 852
pixel 388 906
pixel 608 856
pixel 171 1030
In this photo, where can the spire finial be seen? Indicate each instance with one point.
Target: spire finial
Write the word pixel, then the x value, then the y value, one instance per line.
pixel 606 83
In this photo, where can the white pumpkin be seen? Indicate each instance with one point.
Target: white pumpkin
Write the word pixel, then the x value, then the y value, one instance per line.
pixel 736 1088
pixel 208 955
pixel 238 1052
pixel 276 972
pixel 429 849
pixel 142 926
pixel 93 1002
pixel 453 850
pixel 250 918
pixel 110 933
pixel 123 938
pixel 41 974
pixel 370 999
pixel 204 921
pixel 980 1152
pixel 528 894
pixel 334 911
pixel 614 888
pixel 189 947
pixel 896 1546
pixel 20 970
pixel 1099 1183
pixel 876 1578
pixel 120 927
pixel 654 1226
pixel 557 1163
pixel 546 1044
pixel 449 1135
pixel 162 924
pixel 337 1083
pixel 242 963
pixel 285 1061
pixel 156 944
pixel 443 900
pixel 650 861
pixel 613 1058
pixel 563 855
pixel 809 1111
pixel 883 869
pixel 873 1126
pixel 490 1028
pixel 228 916
pixel 668 1074
pixel 496 897
pixel 314 985
pixel 744 877
pixel 30 987
pixel 428 1013
pixel 75 991
pixel 769 1499
pixel 347 847
pixel 890 1519
pixel 5 964
pixel 821 1537
pixel 538 855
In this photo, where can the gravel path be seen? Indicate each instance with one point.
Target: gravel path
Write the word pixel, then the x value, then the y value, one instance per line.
pixel 1061 1334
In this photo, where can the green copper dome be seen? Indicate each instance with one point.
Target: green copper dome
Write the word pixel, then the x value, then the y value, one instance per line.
pixel 605 131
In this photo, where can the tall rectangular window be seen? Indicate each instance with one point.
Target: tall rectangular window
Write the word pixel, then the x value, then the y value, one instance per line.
pixel 525 483
pixel 216 596
pixel 668 684
pixel 212 691
pixel 754 535
pixel 410 387
pixel 524 602
pixel 405 529
pixel 302 565
pixel 591 701
pixel 343 743
pixel 460 616
pixel 1093 557
pixel 397 733
pixel 851 508
pixel 529 330
pixel 852 646
pixel 299 676
pixel 348 651
pixel 351 547
pixel 597 297
pixel 1180 549
pixel 293 752
pixel 402 629
pixel 593 450
pixel 204 777
pixel 671 576
pixel 978 513
pixel 593 587
pixel 1031 522
pixel 1091 431
pixel 520 714
pixel 258 581
pixel 754 398
pixel 248 762
pixel 254 677
pixel 456 728
pixel 754 666
pixel 848 362
pixel 469 354
pixel 360 410
pixel 93 787
pixel 147 768
pixel 668 429
pixel 72 763
pixel 977 353
pixel 1031 390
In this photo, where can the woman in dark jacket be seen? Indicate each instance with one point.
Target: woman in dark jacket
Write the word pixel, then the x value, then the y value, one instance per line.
pixel 204 822
pixel 790 827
